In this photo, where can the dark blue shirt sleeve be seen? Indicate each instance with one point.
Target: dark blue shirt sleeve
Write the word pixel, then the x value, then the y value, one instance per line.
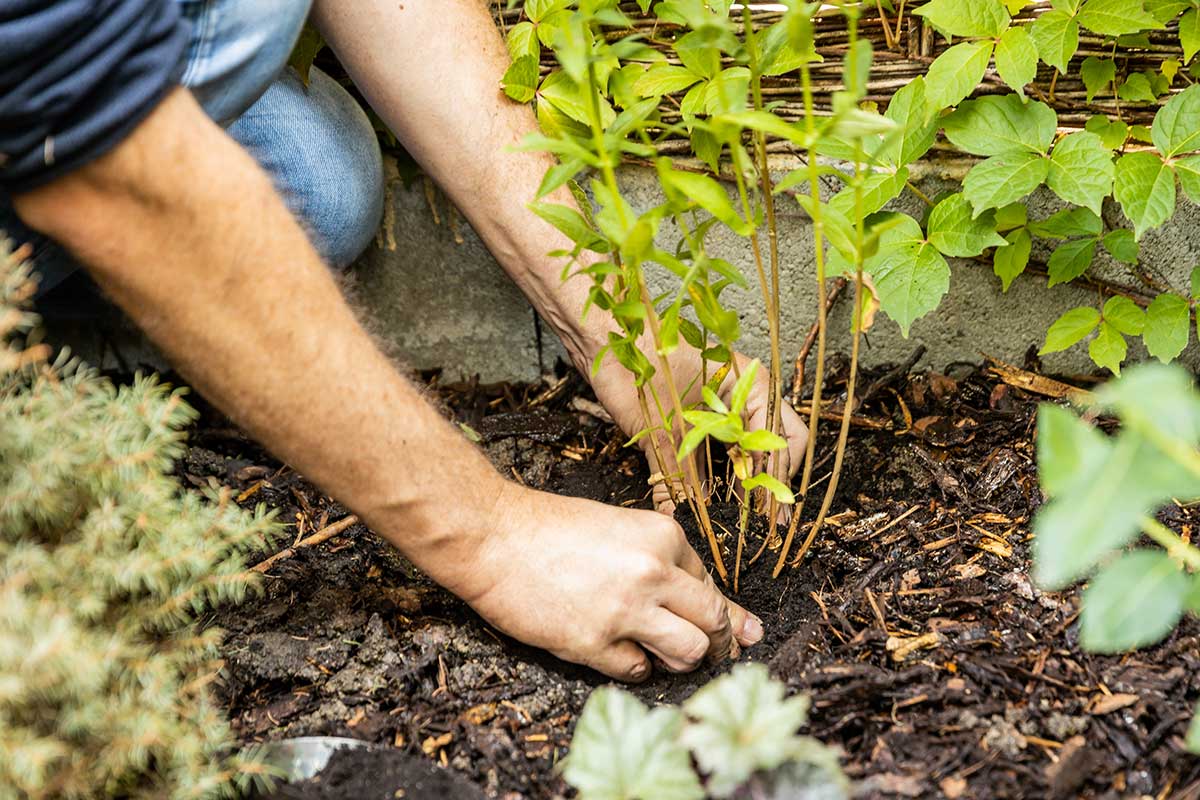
pixel 77 76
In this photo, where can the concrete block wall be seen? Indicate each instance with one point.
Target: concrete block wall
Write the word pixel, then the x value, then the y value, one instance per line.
pixel 437 294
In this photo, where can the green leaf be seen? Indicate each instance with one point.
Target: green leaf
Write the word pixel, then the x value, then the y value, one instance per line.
pixel 572 99
pixel 1065 444
pixel 1145 188
pixel 878 190
pixel 955 230
pixel 1133 602
pixel 743 724
pixel 1121 245
pixel 1069 329
pixel 1137 89
pixel 916 128
pixel 1176 126
pixel 522 40
pixel 772 484
pixel 709 195
pixel 1082 170
pixel 910 275
pixel 663 79
pixel 1112 132
pixel 1188 170
pixel 1116 17
pixel 741 389
pixel 700 51
pixel 1108 349
pixel 1004 179
pixel 1070 260
pixel 1067 223
pixel 1013 215
pixel 1124 315
pixel 996 125
pixel 727 92
pixel 1017 58
pixel 571 223
pixel 762 441
pixel 1056 34
pixel 1189 34
pixel 304 52
pixel 1009 262
pixel 622 751
pixel 966 18
pixel 1098 75
pixel 955 73
pixel 1167 327
pixel 520 79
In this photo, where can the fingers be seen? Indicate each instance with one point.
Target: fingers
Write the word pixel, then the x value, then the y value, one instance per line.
pixel 746 628
pixel 679 645
pixel 623 661
pixel 796 433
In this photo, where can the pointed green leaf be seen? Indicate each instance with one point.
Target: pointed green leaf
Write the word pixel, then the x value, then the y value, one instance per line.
pixel 520 79
pixel 1116 17
pixel 955 230
pixel 1176 127
pixel 1056 34
pixel 1009 262
pixel 1124 315
pixel 762 441
pixel 741 389
pixel 1098 75
pixel 1004 179
pixel 663 79
pixel 1068 223
pixel 1017 58
pixel 1133 602
pixel 1070 329
pixel 1189 34
pixel 910 275
pixel 1167 327
pixel 1070 260
pixel 1108 349
pixel 916 128
pixel 570 222
pixel 1121 245
pixel 1112 132
pixel 1145 188
pixel 999 124
pixel 955 73
pixel 1188 170
pixel 772 484
pixel 709 195
pixel 1082 170
pixel 966 18
pixel 522 41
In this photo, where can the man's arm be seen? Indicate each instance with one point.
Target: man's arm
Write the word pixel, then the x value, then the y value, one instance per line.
pixel 186 233
pixel 432 70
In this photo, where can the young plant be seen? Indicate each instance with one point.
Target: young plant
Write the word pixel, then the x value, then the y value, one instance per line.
pixel 1104 493
pixel 739 729
pixel 105 564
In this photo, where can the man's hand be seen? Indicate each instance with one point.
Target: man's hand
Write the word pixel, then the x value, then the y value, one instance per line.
pixel 615 390
pixel 590 583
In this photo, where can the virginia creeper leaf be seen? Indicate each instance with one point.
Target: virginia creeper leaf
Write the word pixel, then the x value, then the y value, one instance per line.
pixel 1017 58
pixel 1098 75
pixel 1070 260
pixel 1188 170
pixel 1189 34
pixel 1176 126
pixel 1116 17
pixel 1082 170
pixel 1069 329
pixel 998 124
pixel 911 276
pixel 1004 179
pixel 1108 349
pixel 1065 444
pixel 663 79
pixel 956 73
pixel 1009 262
pixel 1167 326
pixel 1124 315
pixel 955 230
pixel 1056 34
pixel 1145 188
pixel 916 128
pixel 1121 245
pixel 966 18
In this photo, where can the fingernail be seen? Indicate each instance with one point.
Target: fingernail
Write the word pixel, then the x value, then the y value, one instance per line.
pixel 640 671
pixel 752 629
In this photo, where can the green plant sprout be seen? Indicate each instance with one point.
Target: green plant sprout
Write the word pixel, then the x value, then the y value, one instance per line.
pixel 695 71
pixel 1104 494
pixel 740 729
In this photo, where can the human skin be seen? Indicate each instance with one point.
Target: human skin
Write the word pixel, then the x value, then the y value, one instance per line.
pixel 432 70
pixel 186 233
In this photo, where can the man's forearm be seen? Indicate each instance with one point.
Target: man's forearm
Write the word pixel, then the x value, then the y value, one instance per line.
pixel 432 70
pixel 187 234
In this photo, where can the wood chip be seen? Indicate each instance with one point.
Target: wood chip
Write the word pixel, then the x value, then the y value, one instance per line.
pixel 903 647
pixel 953 787
pixel 1108 703
pixel 434 743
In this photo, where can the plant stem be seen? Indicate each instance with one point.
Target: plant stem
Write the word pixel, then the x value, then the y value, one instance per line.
pixel 1170 541
pixel 814 418
pixel 743 518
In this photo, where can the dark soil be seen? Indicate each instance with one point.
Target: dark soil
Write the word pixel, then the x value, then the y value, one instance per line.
pixel 933 662
pixel 381 775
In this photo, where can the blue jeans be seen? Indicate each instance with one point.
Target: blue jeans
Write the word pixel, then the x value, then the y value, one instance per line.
pixel 315 141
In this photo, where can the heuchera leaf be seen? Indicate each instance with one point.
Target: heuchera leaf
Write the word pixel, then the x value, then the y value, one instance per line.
pixel 955 73
pixel 1070 328
pixel 1017 58
pixel 1009 262
pixel 1056 34
pixel 967 18
pixel 999 124
pixel 1145 188
pixel 1133 602
pixel 623 751
pixel 1167 326
pixel 742 724
pixel 955 230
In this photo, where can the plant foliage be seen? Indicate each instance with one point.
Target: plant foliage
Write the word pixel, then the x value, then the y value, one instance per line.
pixel 104 564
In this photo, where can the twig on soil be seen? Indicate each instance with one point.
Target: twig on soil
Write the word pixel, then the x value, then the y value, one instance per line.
pixel 323 535
pixel 802 357
pixel 891 376
pixel 1032 382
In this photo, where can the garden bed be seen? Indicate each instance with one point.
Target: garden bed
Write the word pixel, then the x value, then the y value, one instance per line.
pixel 933 662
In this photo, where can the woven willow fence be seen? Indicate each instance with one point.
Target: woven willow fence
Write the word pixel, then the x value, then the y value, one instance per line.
pixel 905 46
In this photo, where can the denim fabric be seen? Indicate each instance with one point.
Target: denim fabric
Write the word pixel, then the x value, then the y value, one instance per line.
pixel 316 142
